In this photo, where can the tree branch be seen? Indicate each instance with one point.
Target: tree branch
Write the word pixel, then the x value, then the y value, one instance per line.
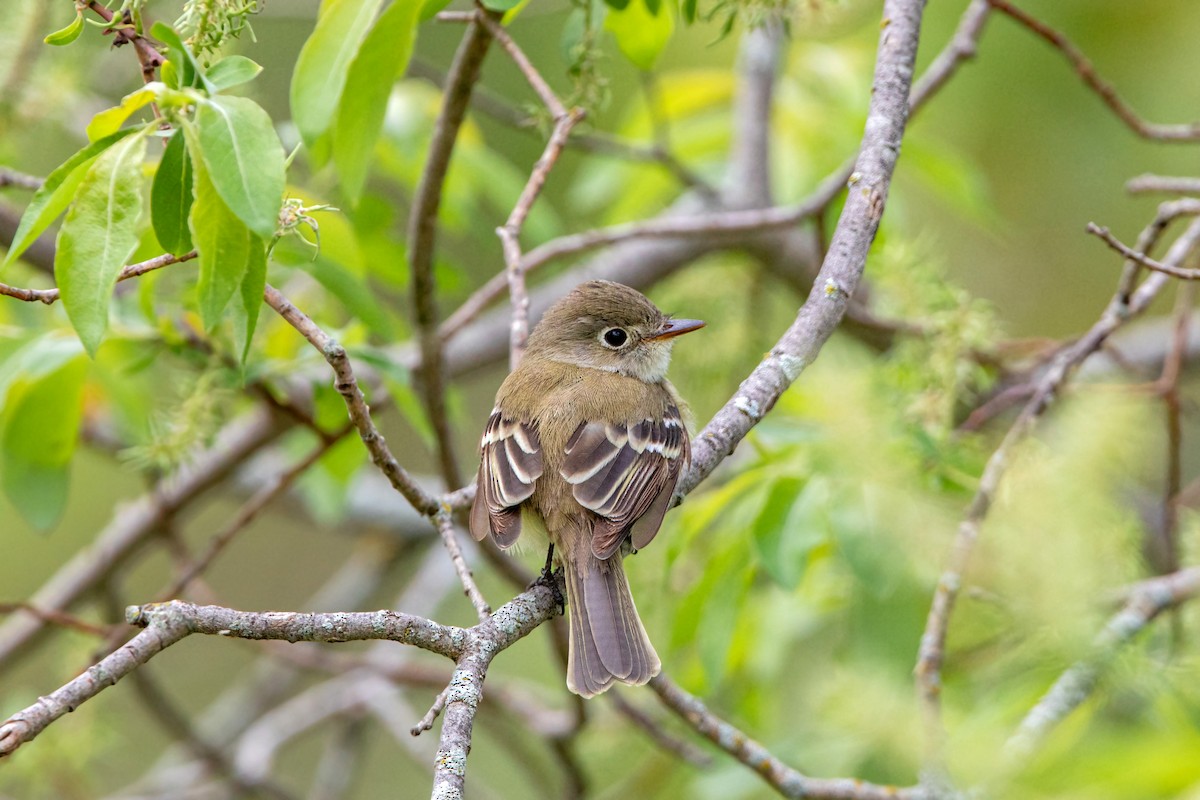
pixel 1141 258
pixel 1087 72
pixel 933 641
pixel 782 778
pixel 356 404
pixel 422 236
pixel 843 266
pixel 50 296
pixel 137 521
pixel 445 525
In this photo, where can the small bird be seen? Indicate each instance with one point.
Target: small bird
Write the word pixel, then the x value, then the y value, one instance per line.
pixel 587 442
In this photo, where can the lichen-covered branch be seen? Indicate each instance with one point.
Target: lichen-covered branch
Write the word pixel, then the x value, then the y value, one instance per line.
pixel 846 258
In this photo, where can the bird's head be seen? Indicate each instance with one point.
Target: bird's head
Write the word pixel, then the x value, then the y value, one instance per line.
pixel 609 326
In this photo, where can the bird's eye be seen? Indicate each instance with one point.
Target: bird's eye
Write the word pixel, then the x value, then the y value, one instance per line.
pixel 615 337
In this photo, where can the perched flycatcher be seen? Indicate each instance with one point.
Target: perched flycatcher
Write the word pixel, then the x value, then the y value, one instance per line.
pixel 587 442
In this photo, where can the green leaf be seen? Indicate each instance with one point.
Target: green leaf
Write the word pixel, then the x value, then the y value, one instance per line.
pixel 55 194
pixel 250 297
pixel 39 427
pixel 430 8
pixel 688 10
pixel 170 74
pixel 171 197
pixel 244 159
pixel 789 526
pixel 640 33
pixel 110 120
pixel 68 34
pixel 192 72
pixel 324 62
pixel 99 235
pixel 232 71
pixel 501 5
pixel 383 56
pixel 223 244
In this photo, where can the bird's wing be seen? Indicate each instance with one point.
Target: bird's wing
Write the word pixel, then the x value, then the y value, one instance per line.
pixel 626 474
pixel 510 464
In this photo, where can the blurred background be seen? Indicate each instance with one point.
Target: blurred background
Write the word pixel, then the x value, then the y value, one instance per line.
pixel 790 591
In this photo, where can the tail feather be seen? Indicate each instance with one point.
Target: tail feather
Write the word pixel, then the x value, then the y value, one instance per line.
pixel 608 642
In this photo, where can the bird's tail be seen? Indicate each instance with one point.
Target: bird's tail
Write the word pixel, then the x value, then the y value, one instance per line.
pixel 607 641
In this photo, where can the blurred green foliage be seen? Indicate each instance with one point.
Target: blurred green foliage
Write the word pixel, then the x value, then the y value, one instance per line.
pixel 791 591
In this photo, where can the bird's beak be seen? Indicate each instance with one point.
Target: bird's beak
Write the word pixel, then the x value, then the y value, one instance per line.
pixel 677 327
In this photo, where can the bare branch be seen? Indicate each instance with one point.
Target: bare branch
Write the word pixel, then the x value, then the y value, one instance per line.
pixel 1087 72
pixel 445 526
pixel 356 404
pixel 49 296
pixel 843 267
pixel 10 177
pixel 435 710
pixel 933 641
pixel 782 778
pixel 1143 184
pixel 961 47
pixel 510 232
pixel 136 522
pixel 536 81
pixel 422 236
pixel 1141 258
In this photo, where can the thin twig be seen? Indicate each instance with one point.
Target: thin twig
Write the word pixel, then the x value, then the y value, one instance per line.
pixel 933 641
pixel 783 779
pixel 1087 72
pixel 435 711
pixel 246 514
pixel 1167 213
pixel 1141 258
pixel 685 751
pixel 50 296
pixel 124 33
pixel 961 47
pixel 356 404
pixel 57 617
pixel 510 232
pixel 843 266
pixel 536 81
pixel 445 525
pixel 10 177
pixel 712 228
pixel 422 237
pixel 1162 183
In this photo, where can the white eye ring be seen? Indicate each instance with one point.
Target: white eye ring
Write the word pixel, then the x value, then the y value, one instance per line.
pixel 614 338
